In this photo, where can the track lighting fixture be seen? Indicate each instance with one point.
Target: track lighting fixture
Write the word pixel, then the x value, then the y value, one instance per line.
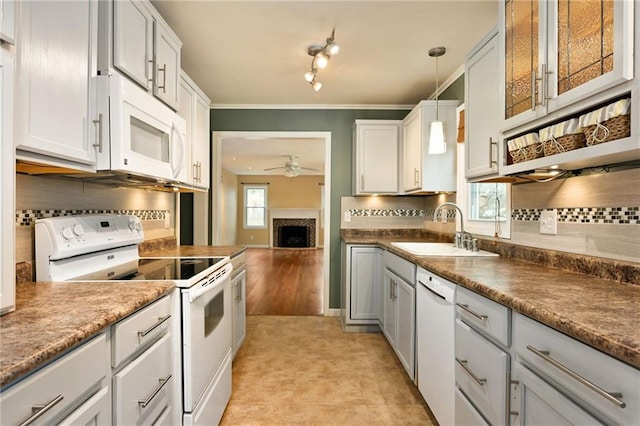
pixel 321 56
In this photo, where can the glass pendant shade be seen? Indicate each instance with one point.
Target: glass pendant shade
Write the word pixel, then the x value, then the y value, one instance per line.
pixel 317 86
pixel 290 173
pixel 309 76
pixel 437 144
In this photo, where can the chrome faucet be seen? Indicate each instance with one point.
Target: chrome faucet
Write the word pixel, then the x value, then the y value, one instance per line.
pixel 461 239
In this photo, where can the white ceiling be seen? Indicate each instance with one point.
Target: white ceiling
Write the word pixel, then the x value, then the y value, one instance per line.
pixel 244 53
pixel 251 155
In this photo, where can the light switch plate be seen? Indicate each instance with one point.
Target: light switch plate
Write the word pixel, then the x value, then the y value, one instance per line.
pixel 549 222
pixel 347 216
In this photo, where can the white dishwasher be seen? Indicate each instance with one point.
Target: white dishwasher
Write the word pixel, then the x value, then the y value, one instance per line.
pixel 435 330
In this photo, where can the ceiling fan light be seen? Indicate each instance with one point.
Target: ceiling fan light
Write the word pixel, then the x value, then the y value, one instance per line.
pixel 290 173
pixel 309 76
pixel 322 60
pixel 317 86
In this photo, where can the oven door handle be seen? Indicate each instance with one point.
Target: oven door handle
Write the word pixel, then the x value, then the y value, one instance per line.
pixel 209 283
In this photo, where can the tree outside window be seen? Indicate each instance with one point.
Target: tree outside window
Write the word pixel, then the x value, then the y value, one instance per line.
pixel 255 206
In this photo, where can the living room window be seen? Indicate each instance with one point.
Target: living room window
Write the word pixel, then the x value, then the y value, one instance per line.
pixel 255 206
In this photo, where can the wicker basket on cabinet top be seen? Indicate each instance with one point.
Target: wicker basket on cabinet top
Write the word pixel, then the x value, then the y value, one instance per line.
pixel 607 123
pixel 562 137
pixel 525 148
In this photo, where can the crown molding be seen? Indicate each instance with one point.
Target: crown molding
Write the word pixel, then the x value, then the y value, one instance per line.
pixel 448 82
pixel 310 106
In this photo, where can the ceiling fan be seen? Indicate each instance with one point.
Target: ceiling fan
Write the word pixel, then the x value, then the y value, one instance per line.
pixel 291 167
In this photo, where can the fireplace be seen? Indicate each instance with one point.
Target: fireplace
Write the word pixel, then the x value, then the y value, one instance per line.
pixel 294 228
pixel 294 233
pixel 292 236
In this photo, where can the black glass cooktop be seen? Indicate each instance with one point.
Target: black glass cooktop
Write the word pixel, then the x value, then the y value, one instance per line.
pixel 182 268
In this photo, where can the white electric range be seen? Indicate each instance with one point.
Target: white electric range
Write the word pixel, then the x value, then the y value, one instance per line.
pixel 105 247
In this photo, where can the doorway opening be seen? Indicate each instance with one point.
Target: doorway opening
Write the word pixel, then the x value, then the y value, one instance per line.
pixel 289 156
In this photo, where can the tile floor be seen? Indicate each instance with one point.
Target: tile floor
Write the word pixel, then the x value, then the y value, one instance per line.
pixel 307 371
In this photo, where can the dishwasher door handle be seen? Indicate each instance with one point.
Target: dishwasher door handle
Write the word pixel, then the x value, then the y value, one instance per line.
pixel 432 291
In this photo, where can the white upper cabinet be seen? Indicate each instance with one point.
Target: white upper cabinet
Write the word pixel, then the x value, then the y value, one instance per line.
pixel 482 112
pixel 133 41
pixel 7 28
pixel 136 41
pixel 557 53
pixel 166 63
pixel 55 118
pixel 376 145
pixel 421 171
pixel 194 108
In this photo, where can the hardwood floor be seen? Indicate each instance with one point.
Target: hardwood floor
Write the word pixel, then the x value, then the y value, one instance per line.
pixel 284 281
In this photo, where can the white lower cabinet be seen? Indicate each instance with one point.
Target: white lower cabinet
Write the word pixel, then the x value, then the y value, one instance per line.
pixel 96 411
pixel 60 389
pixel 561 380
pixel 399 321
pixel 142 390
pixel 144 382
pixel 483 362
pixel 239 308
pixel 481 372
pixel 361 288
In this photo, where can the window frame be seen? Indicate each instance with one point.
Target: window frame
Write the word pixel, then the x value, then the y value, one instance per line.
pixel 245 207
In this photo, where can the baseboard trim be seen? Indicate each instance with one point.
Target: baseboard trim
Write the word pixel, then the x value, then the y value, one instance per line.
pixel 332 312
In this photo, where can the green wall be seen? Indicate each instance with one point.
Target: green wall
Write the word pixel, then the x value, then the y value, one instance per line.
pixel 336 121
pixel 339 123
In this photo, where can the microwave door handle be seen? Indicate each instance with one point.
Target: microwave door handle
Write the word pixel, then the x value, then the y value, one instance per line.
pixel 178 167
pixel 196 291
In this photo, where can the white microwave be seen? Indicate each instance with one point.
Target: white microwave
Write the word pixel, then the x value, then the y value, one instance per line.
pixel 137 133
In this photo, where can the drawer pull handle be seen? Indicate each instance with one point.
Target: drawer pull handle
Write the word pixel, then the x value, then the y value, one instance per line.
pixel 144 402
pixel 39 410
pixel 161 320
pixel 482 318
pixel 463 364
pixel 613 397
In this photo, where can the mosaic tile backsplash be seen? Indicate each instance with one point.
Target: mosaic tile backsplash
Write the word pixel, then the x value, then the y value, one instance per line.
pixel 585 215
pixel 28 217
pixel 398 212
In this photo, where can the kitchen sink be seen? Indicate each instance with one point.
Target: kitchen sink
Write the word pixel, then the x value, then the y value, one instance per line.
pixel 439 249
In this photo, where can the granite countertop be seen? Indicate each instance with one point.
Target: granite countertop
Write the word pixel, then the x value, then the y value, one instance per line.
pixel 53 317
pixel 599 312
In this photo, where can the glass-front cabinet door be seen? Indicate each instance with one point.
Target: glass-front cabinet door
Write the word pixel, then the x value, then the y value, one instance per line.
pixel 558 52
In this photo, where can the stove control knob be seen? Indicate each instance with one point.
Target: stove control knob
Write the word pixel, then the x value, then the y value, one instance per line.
pixel 67 233
pixel 138 227
pixel 78 230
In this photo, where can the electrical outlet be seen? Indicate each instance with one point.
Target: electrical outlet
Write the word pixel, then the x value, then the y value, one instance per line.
pixel 347 216
pixel 549 222
pixel 167 220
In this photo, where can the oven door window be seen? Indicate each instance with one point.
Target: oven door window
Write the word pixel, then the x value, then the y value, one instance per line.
pixel 213 313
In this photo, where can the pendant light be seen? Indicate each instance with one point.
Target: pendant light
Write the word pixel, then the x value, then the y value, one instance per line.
pixel 437 143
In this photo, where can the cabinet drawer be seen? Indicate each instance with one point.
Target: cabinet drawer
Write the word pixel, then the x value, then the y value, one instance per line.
pixel 550 353
pixel 96 411
pixel 401 267
pixel 466 414
pixel 482 373
pixel 484 315
pixel 139 330
pixel 70 380
pixel 144 388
